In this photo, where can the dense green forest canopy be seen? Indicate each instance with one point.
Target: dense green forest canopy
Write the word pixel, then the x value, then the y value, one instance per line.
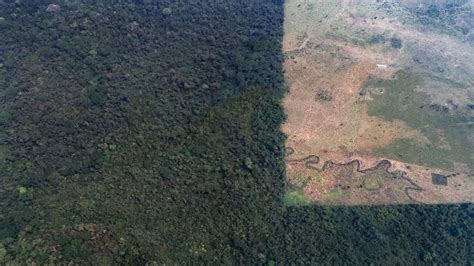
pixel 149 131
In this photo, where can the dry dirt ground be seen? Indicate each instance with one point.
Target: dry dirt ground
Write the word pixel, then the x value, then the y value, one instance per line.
pixel 331 137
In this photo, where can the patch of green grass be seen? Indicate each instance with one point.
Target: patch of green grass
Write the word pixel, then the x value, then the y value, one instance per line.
pixel 411 151
pixel 401 101
pixel 319 178
pixel 294 197
pixel 334 194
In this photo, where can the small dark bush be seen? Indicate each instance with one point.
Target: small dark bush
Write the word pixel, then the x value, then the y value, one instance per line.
pixel 396 42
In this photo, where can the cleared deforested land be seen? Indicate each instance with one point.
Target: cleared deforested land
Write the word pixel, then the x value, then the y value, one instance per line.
pixel 373 82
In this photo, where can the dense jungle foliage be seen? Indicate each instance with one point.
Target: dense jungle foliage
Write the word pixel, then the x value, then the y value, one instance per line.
pixel 149 132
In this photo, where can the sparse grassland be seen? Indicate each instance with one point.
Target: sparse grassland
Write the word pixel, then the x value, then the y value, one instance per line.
pixel 295 197
pixel 368 81
pixel 401 101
